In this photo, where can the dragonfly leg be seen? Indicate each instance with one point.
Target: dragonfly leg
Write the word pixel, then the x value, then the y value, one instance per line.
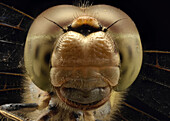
pixel 9 110
pixel 19 107
pixel 47 115
pixel 44 99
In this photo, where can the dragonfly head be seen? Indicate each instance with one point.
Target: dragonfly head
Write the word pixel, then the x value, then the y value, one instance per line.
pixel 83 51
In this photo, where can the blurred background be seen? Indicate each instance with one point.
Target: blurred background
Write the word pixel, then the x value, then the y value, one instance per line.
pixel 150 16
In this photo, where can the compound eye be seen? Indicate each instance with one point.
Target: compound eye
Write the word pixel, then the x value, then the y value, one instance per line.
pixel 40 41
pixel 125 34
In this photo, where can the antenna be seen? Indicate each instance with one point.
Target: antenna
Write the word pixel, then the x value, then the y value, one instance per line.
pixel 64 30
pixel 105 29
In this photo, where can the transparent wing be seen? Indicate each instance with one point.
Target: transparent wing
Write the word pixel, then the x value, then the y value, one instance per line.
pixel 148 98
pixel 13 29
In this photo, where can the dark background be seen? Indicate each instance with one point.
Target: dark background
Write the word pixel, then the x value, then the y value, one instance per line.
pixel 152 17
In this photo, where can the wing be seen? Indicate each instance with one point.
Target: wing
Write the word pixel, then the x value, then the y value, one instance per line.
pixel 13 29
pixel 148 98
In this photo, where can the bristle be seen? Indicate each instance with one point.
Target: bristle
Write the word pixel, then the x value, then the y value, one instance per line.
pixel 117 102
pixel 82 3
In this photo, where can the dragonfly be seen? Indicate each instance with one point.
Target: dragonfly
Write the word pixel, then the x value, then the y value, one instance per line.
pixel 147 98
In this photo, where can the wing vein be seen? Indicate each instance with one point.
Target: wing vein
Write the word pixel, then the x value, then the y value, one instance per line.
pixel 138 110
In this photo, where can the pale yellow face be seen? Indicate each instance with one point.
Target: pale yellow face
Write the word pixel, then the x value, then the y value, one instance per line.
pixel 83 63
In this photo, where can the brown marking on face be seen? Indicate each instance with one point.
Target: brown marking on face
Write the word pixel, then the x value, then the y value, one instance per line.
pixel 85 20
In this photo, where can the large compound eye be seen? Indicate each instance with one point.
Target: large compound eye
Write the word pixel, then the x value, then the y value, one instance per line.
pixel 40 42
pixel 43 37
pixel 127 39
